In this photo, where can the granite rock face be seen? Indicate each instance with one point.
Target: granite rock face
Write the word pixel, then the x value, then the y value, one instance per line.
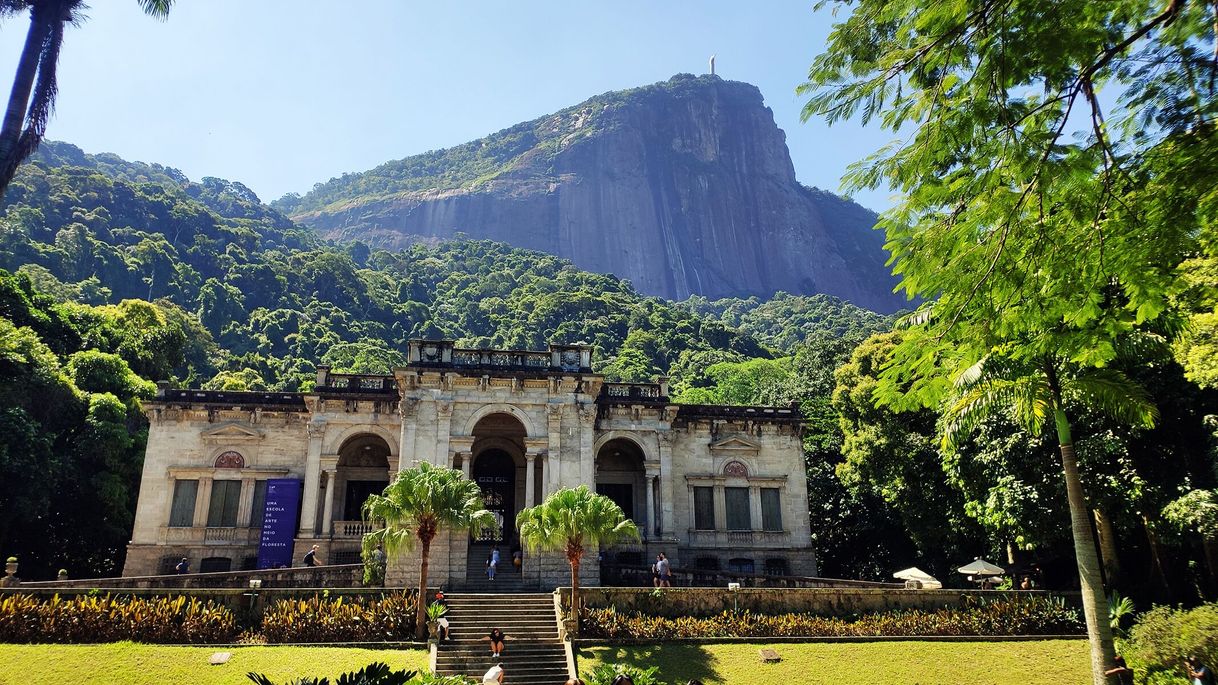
pixel 684 187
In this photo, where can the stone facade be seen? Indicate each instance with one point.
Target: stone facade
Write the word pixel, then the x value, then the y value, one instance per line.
pixel 711 486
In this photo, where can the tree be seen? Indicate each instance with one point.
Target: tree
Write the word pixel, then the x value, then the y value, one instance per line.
pixel 32 99
pixel 1043 232
pixel 418 504
pixel 571 521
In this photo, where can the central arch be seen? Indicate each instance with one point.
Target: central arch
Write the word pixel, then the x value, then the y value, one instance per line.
pixel 498 468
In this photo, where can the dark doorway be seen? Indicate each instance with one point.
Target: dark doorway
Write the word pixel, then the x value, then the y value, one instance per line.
pixel 495 472
pixel 357 494
pixel 622 495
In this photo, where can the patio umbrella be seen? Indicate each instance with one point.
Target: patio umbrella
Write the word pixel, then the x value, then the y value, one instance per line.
pixel 981 567
pixel 914 573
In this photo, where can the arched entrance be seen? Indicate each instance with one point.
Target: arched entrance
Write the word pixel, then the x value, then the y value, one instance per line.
pixel 362 470
pixel 495 472
pixel 621 476
pixel 498 468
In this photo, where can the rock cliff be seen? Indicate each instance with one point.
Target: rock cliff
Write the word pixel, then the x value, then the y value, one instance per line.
pixel 683 187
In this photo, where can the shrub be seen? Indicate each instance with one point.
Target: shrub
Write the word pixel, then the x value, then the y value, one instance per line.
pixel 1163 636
pixel 345 619
pixel 376 673
pixel 25 618
pixel 605 673
pixel 1013 616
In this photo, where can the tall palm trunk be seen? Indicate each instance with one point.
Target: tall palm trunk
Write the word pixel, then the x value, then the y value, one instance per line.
pixel 1108 547
pixel 574 558
pixel 1095 604
pixel 19 96
pixel 420 618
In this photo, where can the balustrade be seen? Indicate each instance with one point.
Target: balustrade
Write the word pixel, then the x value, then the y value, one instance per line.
pixel 647 391
pixel 354 529
pixel 739 538
pixel 501 359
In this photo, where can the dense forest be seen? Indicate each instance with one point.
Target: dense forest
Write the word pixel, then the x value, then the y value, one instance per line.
pixel 120 274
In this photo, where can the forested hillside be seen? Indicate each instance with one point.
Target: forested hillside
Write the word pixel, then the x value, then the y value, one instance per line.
pixel 276 300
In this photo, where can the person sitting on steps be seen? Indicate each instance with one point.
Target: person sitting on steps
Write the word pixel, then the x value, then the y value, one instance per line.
pixel 496 637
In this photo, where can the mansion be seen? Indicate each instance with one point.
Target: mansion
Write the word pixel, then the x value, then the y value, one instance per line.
pixel 713 487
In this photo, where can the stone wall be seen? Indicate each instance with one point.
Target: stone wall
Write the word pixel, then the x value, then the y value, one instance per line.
pixel 674 602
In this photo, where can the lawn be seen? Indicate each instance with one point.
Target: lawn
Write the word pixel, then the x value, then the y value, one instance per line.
pixel 1044 662
pixel 129 663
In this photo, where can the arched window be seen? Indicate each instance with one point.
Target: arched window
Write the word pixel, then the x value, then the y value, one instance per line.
pixel 230 460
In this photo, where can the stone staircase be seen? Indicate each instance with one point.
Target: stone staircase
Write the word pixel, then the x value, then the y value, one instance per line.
pixel 533 654
pixel 507 579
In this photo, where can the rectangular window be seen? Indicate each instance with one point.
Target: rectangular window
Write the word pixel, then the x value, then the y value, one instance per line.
pixel 737 504
pixel 182 514
pixel 225 499
pixel 771 509
pixel 704 508
pixel 258 510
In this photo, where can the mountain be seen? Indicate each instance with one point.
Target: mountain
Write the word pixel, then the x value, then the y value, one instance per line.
pixel 684 188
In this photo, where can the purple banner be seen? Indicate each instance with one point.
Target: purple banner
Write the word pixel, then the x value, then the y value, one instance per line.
pixel 279 523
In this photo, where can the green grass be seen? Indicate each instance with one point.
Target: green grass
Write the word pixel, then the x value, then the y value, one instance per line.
pixel 1044 662
pixel 129 663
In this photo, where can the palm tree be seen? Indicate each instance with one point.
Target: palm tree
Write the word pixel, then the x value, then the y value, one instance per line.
pixel 417 504
pixel 36 75
pixel 571 521
pixel 1032 397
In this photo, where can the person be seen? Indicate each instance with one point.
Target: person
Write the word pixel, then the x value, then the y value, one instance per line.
pixel 1025 584
pixel 1124 674
pixel 518 559
pixel 442 622
pixel 622 679
pixel 655 572
pixel 494 676
pixel 182 567
pixel 310 557
pixel 665 571
pixel 1199 672
pixel 574 681
pixel 496 637
pixel 492 563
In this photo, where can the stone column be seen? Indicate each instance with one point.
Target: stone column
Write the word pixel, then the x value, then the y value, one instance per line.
pixel 327 517
pixel 529 460
pixel 444 420
pixel 652 528
pixel 554 454
pixel 755 506
pixel 408 409
pixel 667 493
pixel 245 508
pixel 720 506
pixel 587 458
pixel 312 479
pixel 467 461
pixel 203 501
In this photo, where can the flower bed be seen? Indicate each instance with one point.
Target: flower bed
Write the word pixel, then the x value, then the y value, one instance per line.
pixel 1022 616
pixel 25 618
pixel 345 619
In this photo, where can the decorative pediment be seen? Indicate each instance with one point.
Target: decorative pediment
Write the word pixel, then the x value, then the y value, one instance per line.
pixel 231 432
pixel 735 444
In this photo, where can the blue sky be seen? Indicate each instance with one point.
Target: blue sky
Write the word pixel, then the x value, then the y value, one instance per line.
pixel 280 95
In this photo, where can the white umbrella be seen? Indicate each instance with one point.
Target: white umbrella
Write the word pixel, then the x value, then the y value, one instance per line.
pixel 981 567
pixel 914 573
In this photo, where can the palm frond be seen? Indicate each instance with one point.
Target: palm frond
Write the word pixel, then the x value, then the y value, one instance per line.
pixel 574 518
pixel 421 500
pixel 1114 394
pixel 158 9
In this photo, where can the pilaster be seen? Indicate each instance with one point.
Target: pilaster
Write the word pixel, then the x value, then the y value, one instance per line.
pixel 587 430
pixel 312 477
pixel 554 412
